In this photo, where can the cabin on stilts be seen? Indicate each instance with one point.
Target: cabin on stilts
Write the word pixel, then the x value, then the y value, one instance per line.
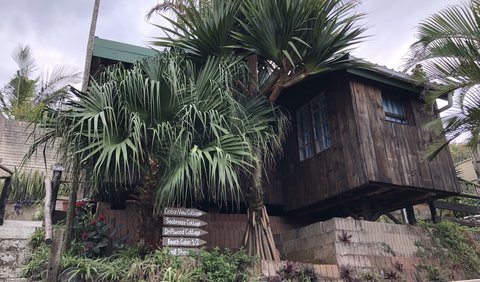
pixel 356 148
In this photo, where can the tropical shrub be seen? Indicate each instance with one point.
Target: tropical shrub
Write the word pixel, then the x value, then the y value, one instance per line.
pixel 95 236
pixel 27 186
pixel 454 246
pixel 140 264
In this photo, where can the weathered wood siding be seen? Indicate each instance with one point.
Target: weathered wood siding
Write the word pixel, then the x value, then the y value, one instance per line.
pixel 335 170
pixel 366 150
pixel 394 153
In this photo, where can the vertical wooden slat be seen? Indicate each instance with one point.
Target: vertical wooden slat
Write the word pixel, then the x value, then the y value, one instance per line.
pixel 4 197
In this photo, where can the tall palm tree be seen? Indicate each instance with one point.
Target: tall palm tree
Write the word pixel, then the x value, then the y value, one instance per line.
pixel 178 133
pixel 447 51
pixel 24 96
pixel 282 43
pixel 90 43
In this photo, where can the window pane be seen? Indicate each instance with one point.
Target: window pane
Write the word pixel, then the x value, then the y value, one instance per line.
pixel 312 127
pixel 320 121
pixel 394 110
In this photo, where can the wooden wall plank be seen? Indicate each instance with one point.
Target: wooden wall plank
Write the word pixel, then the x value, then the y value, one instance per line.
pixel 365 147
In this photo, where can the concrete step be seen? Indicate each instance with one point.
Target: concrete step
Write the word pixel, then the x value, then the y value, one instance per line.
pixel 15 229
pixel 23 223
pixel 13 244
pixel 7 272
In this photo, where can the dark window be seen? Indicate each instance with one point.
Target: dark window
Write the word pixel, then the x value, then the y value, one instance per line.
pixel 312 127
pixel 394 110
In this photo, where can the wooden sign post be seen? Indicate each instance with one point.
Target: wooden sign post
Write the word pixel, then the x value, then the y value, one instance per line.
pixel 180 230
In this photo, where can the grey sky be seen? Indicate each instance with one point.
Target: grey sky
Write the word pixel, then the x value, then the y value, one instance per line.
pixel 57 30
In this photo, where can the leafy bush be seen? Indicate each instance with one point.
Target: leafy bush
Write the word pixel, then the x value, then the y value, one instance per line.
pixel 138 264
pixel 214 267
pixel 27 186
pixel 94 233
pixel 35 266
pixel 37 238
pixel 292 271
pixel 222 266
pixel 453 245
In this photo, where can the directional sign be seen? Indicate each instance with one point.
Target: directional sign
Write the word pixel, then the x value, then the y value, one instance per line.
pixel 181 251
pixel 182 242
pixel 183 231
pixel 182 221
pixel 183 212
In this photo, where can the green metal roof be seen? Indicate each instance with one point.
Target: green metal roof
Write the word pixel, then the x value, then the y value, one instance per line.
pixel 120 52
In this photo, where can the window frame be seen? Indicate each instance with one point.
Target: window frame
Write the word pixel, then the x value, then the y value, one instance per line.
pixel 316 112
pixel 396 103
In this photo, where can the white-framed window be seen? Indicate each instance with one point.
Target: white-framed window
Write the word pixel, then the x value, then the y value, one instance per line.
pixel 394 110
pixel 312 127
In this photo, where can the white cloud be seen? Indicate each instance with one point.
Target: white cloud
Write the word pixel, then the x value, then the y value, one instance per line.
pixel 57 30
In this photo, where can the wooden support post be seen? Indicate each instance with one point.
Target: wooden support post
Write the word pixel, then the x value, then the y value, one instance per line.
pixel 366 210
pixel 6 169
pixel 411 214
pixel 55 256
pixel 392 218
pixel 4 197
pixel 57 175
pixel 48 211
pixel 433 212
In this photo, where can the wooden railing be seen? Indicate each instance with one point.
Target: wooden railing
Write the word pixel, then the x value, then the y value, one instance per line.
pixel 5 191
pixel 469 189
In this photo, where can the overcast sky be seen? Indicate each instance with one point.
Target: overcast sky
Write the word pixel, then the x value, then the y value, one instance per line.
pixel 57 30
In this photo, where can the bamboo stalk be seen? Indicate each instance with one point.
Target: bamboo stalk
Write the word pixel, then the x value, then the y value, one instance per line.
pixel 268 231
pixel 267 244
pixel 48 211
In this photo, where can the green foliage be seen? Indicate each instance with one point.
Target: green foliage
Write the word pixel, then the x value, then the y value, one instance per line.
pixel 214 267
pixel 24 97
pixel 388 249
pixel 35 266
pixel 459 152
pixel 37 238
pixel 136 264
pixel 431 273
pixel 94 233
pixel 292 272
pixel 193 124
pixel 447 51
pixel 369 276
pixel 453 245
pixel 221 266
pixel 27 185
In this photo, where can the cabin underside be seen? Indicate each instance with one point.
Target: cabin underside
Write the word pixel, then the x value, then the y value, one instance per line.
pixel 370 201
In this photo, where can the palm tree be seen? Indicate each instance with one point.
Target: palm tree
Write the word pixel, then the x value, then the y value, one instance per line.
pixel 89 53
pixel 178 133
pixel 24 96
pixel 447 52
pixel 282 43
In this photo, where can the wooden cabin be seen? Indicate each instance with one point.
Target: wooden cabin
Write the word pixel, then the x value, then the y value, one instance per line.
pixel 357 147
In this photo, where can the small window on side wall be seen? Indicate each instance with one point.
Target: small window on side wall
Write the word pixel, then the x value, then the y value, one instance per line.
pixel 312 128
pixel 394 110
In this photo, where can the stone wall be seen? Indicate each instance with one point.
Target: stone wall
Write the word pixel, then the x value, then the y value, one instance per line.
pixel 15 141
pixel 363 246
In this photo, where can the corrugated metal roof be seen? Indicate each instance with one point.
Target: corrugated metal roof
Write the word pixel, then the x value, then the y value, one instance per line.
pixel 121 52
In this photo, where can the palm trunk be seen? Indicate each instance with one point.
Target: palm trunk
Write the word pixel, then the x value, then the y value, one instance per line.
pixel 89 53
pixel 258 239
pixel 72 199
pixel 149 230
